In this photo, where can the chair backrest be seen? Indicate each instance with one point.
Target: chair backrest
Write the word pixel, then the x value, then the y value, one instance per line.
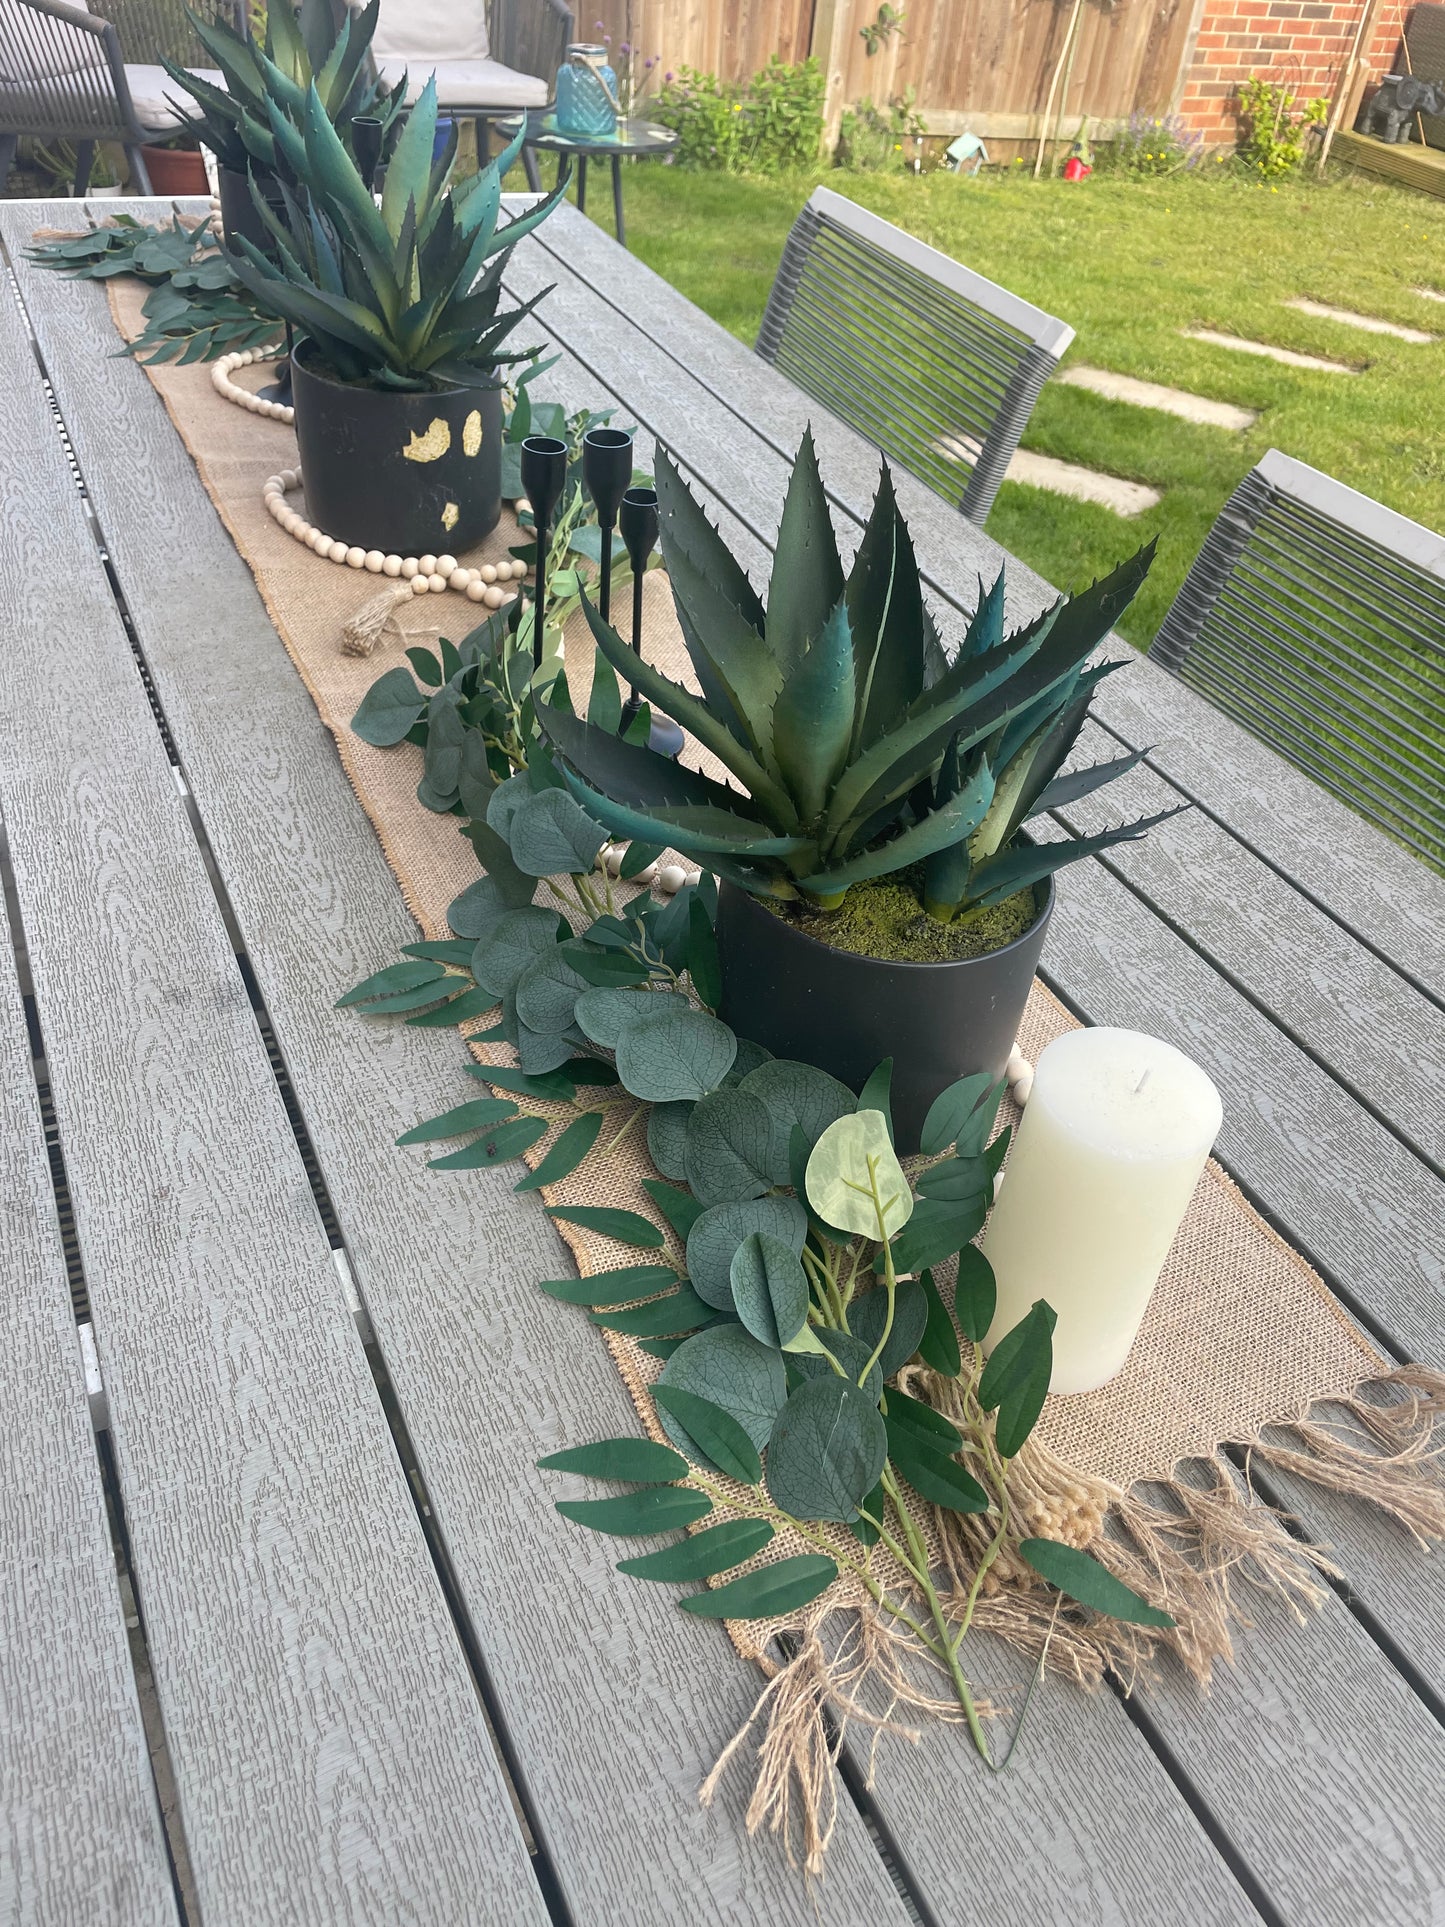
pixel 936 365
pixel 431 30
pixel 151 29
pixel 1316 618
pixel 61 73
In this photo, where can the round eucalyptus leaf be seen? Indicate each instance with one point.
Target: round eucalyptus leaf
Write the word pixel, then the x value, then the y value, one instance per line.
pixel 797 1094
pixel 728 1150
pixel 867 1315
pixel 547 992
pixel 851 1353
pixel 685 1053
pixel 605 1012
pixel 504 802
pixel 667 1137
pixel 543 1050
pixel 770 1289
pixel 721 1229
pixel 827 1450
pixel 727 1365
pixel 851 1162
pixel 552 835
pixel 479 908
pixel 749 1057
pixel 513 942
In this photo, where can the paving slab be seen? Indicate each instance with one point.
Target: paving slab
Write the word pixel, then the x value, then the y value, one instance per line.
pixel 1267 349
pixel 1083 484
pixel 1153 394
pixel 1371 324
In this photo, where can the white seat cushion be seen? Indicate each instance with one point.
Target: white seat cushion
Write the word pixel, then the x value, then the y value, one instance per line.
pixel 428 31
pixel 152 90
pixel 466 84
pixel 33 46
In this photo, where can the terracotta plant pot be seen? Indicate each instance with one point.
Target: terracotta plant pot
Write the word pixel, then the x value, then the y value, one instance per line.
pixel 409 474
pixel 803 999
pixel 176 170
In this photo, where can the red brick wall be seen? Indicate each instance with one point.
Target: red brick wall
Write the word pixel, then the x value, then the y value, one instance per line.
pixel 1301 43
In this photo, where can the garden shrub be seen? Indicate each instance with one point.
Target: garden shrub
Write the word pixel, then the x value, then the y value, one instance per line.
pixel 1150 145
pixel 879 139
pixel 1275 129
pixel 771 125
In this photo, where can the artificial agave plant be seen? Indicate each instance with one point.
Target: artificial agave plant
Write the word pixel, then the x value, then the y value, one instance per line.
pixel 860 749
pixel 302 49
pixel 401 296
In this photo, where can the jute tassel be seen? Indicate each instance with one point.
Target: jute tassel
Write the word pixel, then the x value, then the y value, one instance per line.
pixel 375 621
pixel 1404 1476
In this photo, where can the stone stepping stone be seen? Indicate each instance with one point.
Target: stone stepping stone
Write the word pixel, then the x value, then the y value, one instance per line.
pixel 1269 352
pixel 1371 324
pixel 1430 294
pixel 1153 394
pixel 1083 484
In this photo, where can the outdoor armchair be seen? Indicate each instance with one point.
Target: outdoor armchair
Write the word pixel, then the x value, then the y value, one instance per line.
pixel 1315 617
pixel 938 366
pixel 64 75
pixel 487 61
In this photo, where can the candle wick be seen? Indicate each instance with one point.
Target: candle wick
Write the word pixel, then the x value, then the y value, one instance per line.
pixel 1142 1082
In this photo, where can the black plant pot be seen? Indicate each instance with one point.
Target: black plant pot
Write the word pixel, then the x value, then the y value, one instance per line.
pixel 409 474
pixel 238 210
pixel 938 1021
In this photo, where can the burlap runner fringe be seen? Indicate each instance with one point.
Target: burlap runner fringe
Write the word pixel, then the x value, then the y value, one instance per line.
pixel 1243 1348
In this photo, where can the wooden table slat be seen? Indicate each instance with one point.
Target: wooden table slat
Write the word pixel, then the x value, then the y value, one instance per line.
pixel 80 1833
pixel 330 1757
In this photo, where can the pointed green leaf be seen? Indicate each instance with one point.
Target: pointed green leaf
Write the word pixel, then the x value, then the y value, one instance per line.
pixel 950 1111
pixel 680 1208
pixel 501 1143
pixel 475 1116
pixel 770 1592
pixel 876 1094
pixel 807 578
pixel 921 1419
pixel 721 1441
pixel 627 1227
pixel 975 1296
pixel 641 1460
pixel 680 1311
pixel 639 1515
pixel 933 1474
pixel 396 977
pixel 938 1228
pixel 566 1154
pixel 867 1315
pixel 1082 1577
pixel 1015 1380
pixel 994 881
pixel 938 1347
pixel 704 1554
pixel 813 716
pixel 604 1289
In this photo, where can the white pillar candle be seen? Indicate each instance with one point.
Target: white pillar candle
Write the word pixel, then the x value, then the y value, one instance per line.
pixel 1113 1141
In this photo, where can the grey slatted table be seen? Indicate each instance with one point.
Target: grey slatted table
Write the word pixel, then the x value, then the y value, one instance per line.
pixel 345 1737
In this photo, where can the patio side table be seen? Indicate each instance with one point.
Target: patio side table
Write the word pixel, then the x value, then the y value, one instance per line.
pixel 632 137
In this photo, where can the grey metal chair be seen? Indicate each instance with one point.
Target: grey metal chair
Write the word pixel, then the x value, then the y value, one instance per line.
pixel 1316 618
pixel 66 74
pixel 936 365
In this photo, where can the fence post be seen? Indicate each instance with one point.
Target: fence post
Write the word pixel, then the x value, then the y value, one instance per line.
pixel 829 42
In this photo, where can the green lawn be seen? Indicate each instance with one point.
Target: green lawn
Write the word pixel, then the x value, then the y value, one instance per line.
pixel 1129 264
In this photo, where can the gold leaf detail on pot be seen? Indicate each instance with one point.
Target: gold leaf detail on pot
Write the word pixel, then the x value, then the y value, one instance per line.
pixel 431 446
pixel 449 517
pixel 472 432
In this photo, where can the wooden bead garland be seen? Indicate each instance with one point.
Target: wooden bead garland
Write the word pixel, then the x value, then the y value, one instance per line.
pixel 426 574
pixel 669 877
pixel 230 391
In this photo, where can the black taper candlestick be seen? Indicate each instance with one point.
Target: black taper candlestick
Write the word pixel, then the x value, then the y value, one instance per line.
pixel 366 141
pixel 607 470
pixel 637 522
pixel 544 471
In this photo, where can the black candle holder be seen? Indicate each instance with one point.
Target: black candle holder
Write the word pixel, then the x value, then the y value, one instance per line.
pixel 607 470
pixel 544 474
pixel 366 140
pixel 637 522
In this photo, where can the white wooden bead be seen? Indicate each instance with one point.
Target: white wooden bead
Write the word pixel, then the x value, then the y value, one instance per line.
pixel 427 564
pixel 646 876
pixel 338 552
pixel 671 878
pixel 519 569
pixel 524 507
pixel 292 477
pixel 316 540
pixel 409 567
pixel 476 592
pixel 391 565
pixel 420 584
pixel 488 572
pixel 436 583
pixel 374 560
pixel 1016 1066
pixel 1023 1086
pixel 493 597
pixel 355 558
pixel 457 579
pixel 273 484
pixel 446 565
pixel 997 1182
pixel 694 877
pixel 614 861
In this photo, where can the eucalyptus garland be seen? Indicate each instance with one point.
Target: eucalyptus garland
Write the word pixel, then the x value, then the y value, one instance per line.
pixel 807 1284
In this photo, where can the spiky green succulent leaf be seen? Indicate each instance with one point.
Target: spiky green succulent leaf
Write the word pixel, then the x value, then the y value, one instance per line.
pixel 807 578
pixel 940 829
pixel 814 715
pixel 1004 875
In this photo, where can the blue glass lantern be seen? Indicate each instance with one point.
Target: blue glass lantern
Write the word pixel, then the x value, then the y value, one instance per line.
pixel 587 105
